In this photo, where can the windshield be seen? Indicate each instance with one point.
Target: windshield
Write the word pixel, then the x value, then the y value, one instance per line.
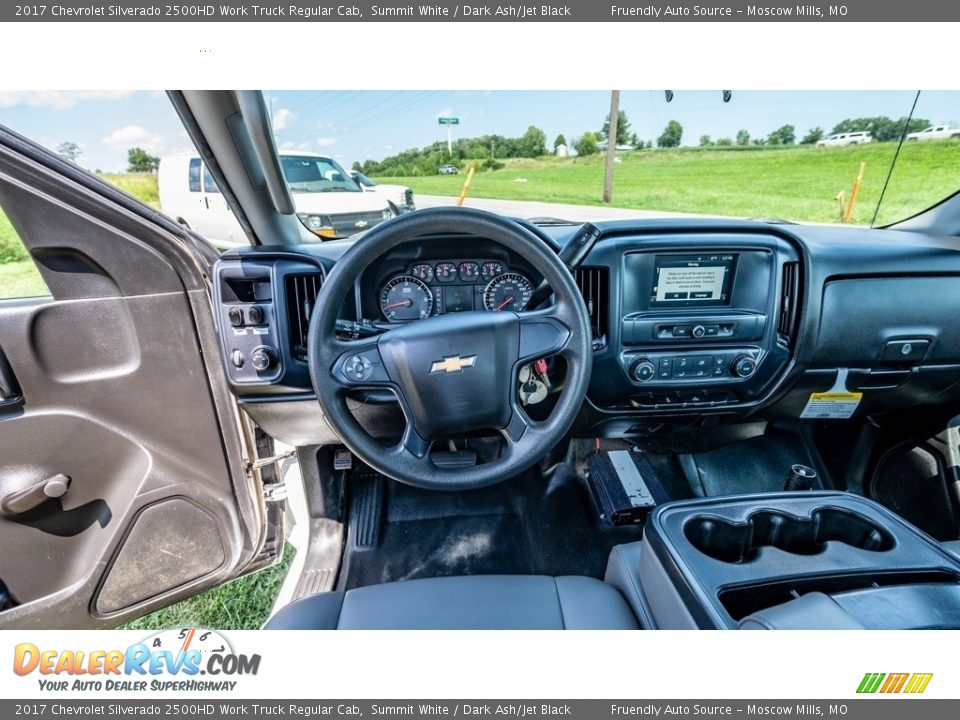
pixel 822 157
pixel 309 174
pixel 363 179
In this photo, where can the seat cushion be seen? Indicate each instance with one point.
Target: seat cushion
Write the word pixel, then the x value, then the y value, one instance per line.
pixel 476 602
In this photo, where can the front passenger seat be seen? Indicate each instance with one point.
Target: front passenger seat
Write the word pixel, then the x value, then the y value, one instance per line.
pixel 476 602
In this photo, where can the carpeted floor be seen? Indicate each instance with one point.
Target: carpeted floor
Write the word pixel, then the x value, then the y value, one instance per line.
pixel 528 525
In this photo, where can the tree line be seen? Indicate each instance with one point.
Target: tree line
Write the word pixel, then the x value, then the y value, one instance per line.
pixel 881 127
pixel 487 151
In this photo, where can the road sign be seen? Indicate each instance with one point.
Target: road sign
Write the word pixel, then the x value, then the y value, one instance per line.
pixel 449 120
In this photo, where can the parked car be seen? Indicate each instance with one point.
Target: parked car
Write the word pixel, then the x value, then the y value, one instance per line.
pixel 399 195
pixel 848 138
pixel 449 170
pixel 327 199
pixel 938 132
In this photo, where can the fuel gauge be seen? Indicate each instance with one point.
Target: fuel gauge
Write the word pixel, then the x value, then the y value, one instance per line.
pixel 423 271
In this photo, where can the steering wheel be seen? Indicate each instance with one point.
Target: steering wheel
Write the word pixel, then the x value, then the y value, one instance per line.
pixel 454 373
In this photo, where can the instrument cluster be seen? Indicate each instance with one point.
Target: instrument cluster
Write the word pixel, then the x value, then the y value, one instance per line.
pixel 446 286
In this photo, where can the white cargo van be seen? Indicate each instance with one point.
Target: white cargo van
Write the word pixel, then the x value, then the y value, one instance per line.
pixel 327 199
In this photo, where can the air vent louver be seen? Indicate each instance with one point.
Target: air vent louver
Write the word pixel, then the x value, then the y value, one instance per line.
pixel 302 291
pixel 789 303
pixel 594 284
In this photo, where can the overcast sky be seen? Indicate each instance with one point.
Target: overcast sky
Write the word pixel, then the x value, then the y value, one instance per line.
pixel 356 125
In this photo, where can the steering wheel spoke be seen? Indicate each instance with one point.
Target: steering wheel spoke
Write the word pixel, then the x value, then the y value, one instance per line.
pixel 542 333
pixel 519 425
pixel 412 444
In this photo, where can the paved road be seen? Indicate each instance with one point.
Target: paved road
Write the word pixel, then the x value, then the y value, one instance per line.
pixel 528 209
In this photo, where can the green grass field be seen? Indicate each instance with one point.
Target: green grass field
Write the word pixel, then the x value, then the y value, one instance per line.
pixel 240 605
pixel 794 183
pixel 19 276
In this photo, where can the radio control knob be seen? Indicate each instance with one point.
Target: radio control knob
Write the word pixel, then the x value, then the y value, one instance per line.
pixel 262 358
pixel 643 370
pixel 698 331
pixel 743 366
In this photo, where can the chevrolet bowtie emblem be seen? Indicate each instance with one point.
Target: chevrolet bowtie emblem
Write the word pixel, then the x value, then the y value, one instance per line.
pixel 360 224
pixel 453 363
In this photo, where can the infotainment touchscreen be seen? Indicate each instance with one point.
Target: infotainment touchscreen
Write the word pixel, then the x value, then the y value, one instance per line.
pixel 683 280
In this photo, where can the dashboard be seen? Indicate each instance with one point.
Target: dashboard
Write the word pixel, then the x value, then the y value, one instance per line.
pixel 453 285
pixel 415 282
pixel 695 322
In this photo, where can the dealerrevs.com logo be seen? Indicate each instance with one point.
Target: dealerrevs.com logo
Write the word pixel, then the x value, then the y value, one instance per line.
pixel 171 660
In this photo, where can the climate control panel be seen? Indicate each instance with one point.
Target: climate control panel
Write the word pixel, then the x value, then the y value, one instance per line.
pixel 668 368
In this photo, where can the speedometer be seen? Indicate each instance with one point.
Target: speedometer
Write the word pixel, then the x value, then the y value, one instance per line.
pixel 510 291
pixel 406 298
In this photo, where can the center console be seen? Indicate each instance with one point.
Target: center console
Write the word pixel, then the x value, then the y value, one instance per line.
pixel 704 321
pixel 799 560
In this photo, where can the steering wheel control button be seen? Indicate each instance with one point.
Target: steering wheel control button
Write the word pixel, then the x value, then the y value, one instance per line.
pixel 362 367
pixel 743 366
pixel 643 370
pixel 262 358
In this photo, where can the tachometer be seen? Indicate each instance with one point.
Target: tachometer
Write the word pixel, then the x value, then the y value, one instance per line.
pixel 510 291
pixel 406 298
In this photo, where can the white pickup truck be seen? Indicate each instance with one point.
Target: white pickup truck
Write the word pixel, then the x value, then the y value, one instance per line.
pixel 937 132
pixel 327 199
pixel 399 195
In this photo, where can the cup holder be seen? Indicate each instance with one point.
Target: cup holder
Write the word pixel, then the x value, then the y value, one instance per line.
pixel 733 542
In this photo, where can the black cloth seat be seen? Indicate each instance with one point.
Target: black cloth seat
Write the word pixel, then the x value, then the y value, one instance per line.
pixel 476 602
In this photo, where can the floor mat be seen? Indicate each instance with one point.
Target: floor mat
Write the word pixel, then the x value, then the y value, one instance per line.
pixel 528 525
pixel 758 464
pixel 911 482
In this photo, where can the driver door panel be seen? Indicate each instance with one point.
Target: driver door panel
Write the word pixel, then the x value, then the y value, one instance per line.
pixel 122 392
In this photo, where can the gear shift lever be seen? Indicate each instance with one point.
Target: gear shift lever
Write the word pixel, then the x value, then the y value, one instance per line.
pixel 801 477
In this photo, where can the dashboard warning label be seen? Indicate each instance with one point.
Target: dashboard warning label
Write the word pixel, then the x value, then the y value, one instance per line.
pixel 831 405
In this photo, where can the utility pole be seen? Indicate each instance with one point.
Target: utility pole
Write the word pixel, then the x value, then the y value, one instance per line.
pixel 611 145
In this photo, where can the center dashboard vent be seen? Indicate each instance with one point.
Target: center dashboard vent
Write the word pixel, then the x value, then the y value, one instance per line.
pixel 789 303
pixel 594 284
pixel 301 291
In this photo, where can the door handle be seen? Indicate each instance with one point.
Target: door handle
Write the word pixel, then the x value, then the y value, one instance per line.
pixel 9 387
pixel 23 500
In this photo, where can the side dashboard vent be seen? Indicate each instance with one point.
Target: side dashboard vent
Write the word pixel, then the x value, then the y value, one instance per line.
pixel 301 291
pixel 789 303
pixel 594 284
